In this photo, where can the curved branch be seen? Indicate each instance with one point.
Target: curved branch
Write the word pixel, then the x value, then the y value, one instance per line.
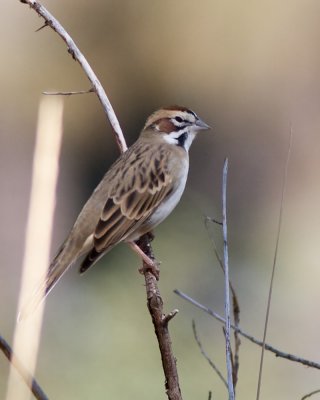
pixel 51 21
pixel 29 380
pixel 306 396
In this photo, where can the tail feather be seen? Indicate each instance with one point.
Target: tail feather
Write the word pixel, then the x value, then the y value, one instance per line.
pixel 60 264
pixel 92 257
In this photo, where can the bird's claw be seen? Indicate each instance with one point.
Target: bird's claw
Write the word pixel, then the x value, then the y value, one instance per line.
pixel 152 266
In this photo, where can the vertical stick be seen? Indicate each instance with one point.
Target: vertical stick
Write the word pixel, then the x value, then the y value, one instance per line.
pixel 38 237
pixel 284 181
pixel 226 279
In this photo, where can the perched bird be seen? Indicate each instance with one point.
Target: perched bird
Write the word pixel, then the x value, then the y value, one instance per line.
pixel 137 193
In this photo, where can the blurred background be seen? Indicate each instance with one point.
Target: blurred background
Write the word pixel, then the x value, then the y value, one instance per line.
pixel 250 69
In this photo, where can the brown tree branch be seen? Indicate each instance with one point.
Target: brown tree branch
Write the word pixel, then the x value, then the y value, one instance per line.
pixel 72 93
pixel 278 353
pixel 25 375
pixel 154 300
pixel 160 323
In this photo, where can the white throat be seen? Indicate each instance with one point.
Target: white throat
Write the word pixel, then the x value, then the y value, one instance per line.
pixel 173 138
pixel 189 140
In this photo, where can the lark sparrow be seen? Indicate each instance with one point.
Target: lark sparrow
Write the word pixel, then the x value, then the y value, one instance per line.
pixel 137 193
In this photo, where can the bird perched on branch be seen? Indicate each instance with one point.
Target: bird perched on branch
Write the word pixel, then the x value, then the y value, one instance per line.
pixel 137 193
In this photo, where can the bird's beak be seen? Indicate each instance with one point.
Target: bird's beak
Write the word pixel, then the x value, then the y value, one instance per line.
pixel 202 125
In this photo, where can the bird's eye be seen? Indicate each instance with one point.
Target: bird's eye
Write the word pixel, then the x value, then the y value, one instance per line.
pixel 178 119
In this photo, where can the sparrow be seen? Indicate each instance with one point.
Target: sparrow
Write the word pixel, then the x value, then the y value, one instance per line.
pixel 136 194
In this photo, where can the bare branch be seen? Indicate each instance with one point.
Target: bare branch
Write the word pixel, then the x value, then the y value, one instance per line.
pixel 41 27
pixel 68 93
pixel 237 341
pixel 310 394
pixel 215 248
pixel 160 323
pixel 51 21
pixel 235 304
pixel 278 353
pixel 168 317
pixel 284 181
pixel 215 221
pixel 226 280
pixel 25 375
pixel 211 363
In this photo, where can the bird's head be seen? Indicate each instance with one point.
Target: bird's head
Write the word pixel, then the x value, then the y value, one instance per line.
pixel 175 125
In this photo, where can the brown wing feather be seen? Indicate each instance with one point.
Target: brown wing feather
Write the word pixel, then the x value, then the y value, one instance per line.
pixel 145 184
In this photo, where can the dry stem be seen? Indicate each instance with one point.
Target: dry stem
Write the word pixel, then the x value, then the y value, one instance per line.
pixel 278 353
pixel 72 93
pixel 284 181
pixel 226 280
pixel 160 323
pixel 34 387
pixel 306 396
pixel 235 305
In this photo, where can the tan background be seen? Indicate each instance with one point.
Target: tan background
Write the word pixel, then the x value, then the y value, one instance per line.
pixel 250 69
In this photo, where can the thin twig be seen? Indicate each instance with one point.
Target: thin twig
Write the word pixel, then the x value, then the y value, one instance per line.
pixel 210 395
pixel 160 323
pixel 42 26
pixel 168 317
pixel 235 306
pixel 310 394
pixel 215 249
pixel 215 221
pixel 68 93
pixel 284 181
pixel 226 280
pixel 278 353
pixel 237 343
pixel 205 355
pixel 51 21
pixel 34 387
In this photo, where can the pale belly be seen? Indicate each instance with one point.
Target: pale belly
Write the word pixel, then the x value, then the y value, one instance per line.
pixel 163 210
pixel 167 207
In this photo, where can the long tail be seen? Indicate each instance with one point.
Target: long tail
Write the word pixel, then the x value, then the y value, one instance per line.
pixel 66 256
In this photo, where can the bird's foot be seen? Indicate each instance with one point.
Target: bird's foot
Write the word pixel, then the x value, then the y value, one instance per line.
pixel 150 266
